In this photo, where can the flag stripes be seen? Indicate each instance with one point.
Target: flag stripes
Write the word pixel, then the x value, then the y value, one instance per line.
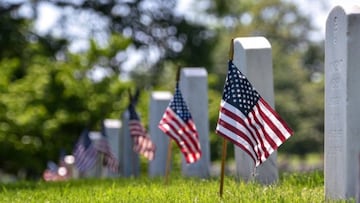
pixel 109 159
pixel 142 143
pixel 84 152
pixel 184 134
pixel 85 158
pixel 177 123
pixel 247 120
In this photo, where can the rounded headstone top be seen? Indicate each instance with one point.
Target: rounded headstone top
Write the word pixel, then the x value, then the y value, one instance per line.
pixel 161 95
pixel 194 71
pixel 253 42
pixel 346 9
pixel 95 135
pixel 338 17
pixel 112 123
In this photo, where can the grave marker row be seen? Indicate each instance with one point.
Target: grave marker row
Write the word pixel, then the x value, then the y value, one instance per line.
pixel 253 57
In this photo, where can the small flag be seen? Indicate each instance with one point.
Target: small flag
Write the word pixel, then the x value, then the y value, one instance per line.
pixel 84 152
pixel 51 172
pixel 102 146
pixel 178 124
pixel 247 120
pixel 142 142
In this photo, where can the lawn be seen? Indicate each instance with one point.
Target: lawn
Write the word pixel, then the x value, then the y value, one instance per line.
pixel 291 187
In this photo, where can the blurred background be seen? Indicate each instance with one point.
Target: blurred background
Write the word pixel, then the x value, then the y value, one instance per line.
pixel 68 64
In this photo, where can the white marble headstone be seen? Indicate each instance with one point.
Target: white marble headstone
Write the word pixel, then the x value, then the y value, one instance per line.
pixel 112 130
pixel 194 88
pixel 252 55
pixel 342 99
pixel 128 159
pixel 158 103
pixel 97 170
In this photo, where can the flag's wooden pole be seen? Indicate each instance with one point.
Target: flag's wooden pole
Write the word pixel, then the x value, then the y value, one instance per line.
pixel 168 161
pixel 133 156
pixel 224 146
pixel 231 51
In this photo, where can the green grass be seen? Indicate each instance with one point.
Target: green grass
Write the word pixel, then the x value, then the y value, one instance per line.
pixel 292 187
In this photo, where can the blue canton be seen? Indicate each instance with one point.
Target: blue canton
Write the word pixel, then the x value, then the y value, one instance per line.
pixel 238 91
pixel 178 105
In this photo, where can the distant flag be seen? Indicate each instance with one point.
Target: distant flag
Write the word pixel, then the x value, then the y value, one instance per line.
pixel 247 120
pixel 142 142
pixel 178 124
pixel 84 152
pixel 51 172
pixel 102 146
pixel 55 172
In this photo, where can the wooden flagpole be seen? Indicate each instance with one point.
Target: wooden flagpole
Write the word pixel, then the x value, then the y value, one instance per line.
pixel 168 161
pixel 224 146
pixel 133 156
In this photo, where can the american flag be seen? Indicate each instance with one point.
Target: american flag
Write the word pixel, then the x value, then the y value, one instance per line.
pixel 178 124
pixel 51 172
pixel 247 120
pixel 142 142
pixel 84 152
pixel 102 146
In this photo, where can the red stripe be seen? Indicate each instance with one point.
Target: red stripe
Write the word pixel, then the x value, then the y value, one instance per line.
pixel 236 143
pixel 240 134
pixel 255 131
pixel 171 116
pixel 187 150
pixel 255 124
pixel 273 112
pixel 266 135
pixel 274 128
pixel 142 143
pixel 249 128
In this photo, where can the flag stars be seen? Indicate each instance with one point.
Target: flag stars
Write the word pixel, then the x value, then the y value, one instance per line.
pixel 182 128
pixel 179 106
pixel 238 91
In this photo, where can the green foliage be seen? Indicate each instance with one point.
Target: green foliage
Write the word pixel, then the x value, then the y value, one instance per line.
pixel 306 187
pixel 45 109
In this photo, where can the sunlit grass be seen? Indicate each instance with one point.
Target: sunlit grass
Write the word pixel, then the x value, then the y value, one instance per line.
pixel 291 187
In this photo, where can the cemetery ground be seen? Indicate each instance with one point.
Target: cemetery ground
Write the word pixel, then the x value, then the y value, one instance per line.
pixel 293 186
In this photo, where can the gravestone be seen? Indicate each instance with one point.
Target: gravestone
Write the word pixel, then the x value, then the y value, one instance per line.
pixel 358 182
pixel 342 99
pixel 97 170
pixel 193 85
pixel 158 103
pixel 112 131
pixel 252 55
pixel 128 159
pixel 69 161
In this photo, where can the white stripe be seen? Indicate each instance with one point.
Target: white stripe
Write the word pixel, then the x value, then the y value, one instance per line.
pixel 179 135
pixel 267 130
pixel 240 127
pixel 181 138
pixel 277 123
pixel 259 150
pixel 239 140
